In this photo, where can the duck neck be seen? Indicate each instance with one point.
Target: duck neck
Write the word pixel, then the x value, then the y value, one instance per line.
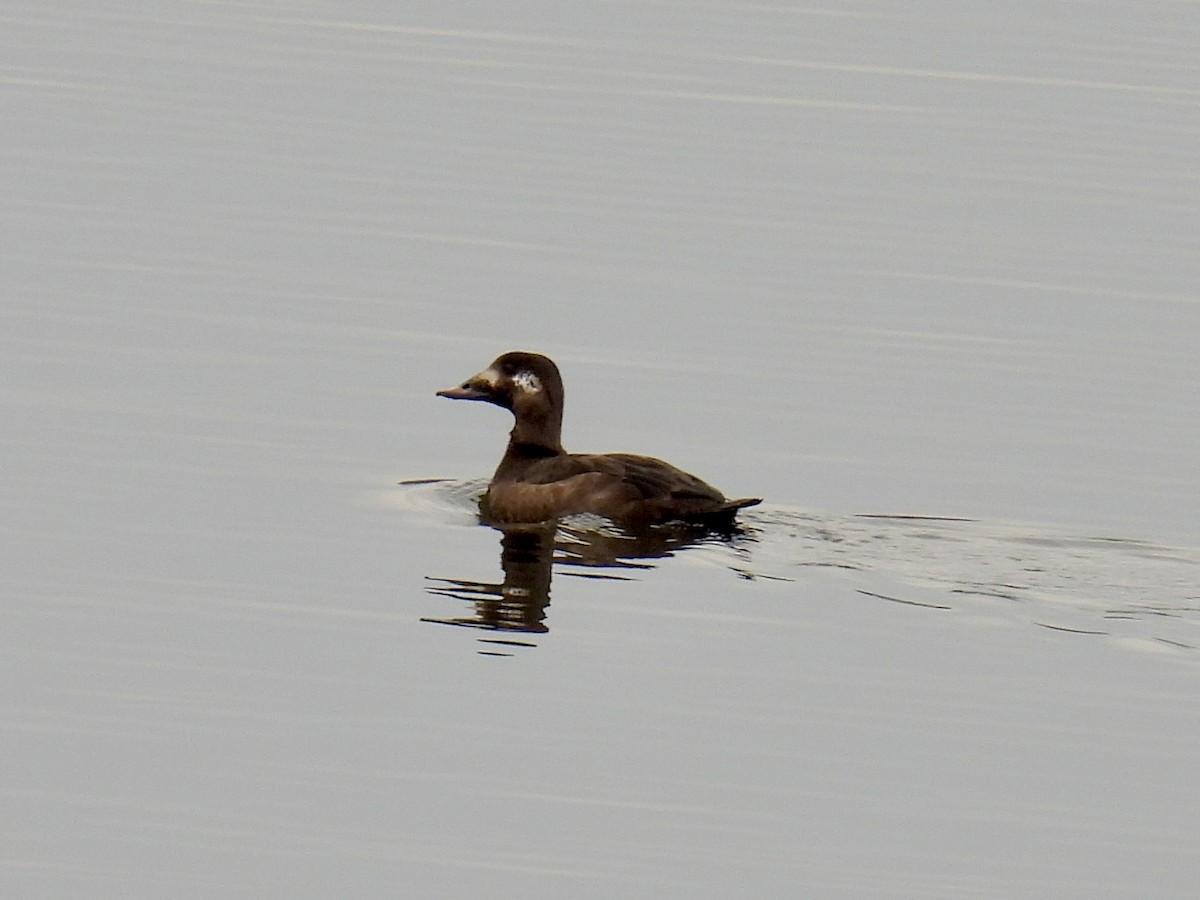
pixel 532 438
pixel 538 424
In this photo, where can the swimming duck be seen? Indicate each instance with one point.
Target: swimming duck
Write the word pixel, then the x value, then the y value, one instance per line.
pixel 538 480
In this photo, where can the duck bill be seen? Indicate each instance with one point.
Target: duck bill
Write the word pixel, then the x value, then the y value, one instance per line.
pixel 462 392
pixel 477 387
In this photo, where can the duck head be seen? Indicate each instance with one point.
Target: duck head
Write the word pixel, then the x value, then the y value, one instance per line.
pixel 529 386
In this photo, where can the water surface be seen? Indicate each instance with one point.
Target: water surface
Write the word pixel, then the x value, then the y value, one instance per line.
pixel 923 277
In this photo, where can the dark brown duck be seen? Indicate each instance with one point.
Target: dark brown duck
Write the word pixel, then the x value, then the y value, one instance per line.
pixel 538 480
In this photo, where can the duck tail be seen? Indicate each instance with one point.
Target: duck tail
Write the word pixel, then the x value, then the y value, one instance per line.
pixel 722 518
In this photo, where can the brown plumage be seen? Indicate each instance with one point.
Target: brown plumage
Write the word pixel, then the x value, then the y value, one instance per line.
pixel 538 480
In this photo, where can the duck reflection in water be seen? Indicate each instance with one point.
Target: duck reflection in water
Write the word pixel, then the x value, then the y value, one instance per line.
pixel 579 546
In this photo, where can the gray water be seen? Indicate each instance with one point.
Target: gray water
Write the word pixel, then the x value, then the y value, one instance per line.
pixel 924 277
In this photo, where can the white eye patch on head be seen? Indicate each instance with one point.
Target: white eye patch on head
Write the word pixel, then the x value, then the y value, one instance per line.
pixel 527 382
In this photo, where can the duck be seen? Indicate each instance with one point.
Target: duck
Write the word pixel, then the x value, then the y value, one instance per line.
pixel 537 480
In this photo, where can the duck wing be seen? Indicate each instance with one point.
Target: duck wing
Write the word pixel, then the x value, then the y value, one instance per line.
pixel 647 476
pixel 636 487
